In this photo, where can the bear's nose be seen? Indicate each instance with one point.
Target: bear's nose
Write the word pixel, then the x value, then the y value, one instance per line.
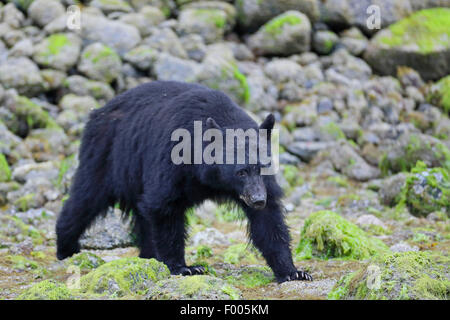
pixel 258 202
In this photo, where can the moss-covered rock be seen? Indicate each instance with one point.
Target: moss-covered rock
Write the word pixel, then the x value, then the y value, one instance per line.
pixel 59 51
pixel 100 62
pixel 286 34
pixel 194 288
pixel 220 71
pixel 328 235
pixel 210 24
pixel 5 171
pixel 406 275
pixel 440 94
pixel 426 190
pixel 421 41
pixel 124 277
pixel 250 276
pixel 86 261
pixel 47 290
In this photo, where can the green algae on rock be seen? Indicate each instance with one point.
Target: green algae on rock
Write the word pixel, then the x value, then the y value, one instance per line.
pixel 59 51
pixel 86 261
pixel 250 276
pixel 5 171
pixel 405 275
pixel 194 288
pixel 328 235
pixel 47 290
pixel 124 277
pixel 426 190
pixel 238 253
pixel 421 41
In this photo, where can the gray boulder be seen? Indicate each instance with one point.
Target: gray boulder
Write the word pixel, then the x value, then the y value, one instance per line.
pixel 58 51
pixel 100 62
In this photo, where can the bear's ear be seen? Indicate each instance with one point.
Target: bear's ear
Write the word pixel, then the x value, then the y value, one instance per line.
pixel 268 122
pixel 211 124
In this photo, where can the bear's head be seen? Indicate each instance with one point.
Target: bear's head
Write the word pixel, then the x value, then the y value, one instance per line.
pixel 243 179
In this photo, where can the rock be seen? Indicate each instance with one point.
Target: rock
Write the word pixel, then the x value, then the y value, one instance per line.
pixel 142 57
pixel 107 233
pixel 324 41
pixel 439 94
pixel 100 62
pixel 172 68
pixel 209 236
pixel 326 234
pixel 254 13
pixel 405 275
pixel 12 16
pixel 250 276
pixel 409 77
pixel 194 288
pixel 426 190
pixel 86 261
pixel 43 12
pixel 355 13
pixel 47 143
pixel 403 247
pixel 210 24
pixel 145 20
pixel 346 160
pixel 165 6
pixel 284 70
pixel 58 51
pixel 75 109
pixel 220 71
pixel 23 48
pixel 403 153
pixel 21 74
pixel 47 290
pixel 316 288
pixel 307 150
pixel 111 6
pixel 368 220
pixel 286 34
pixel 325 105
pixel 194 46
pixel 391 188
pixel 354 41
pixel 84 87
pixel 53 79
pixel 124 277
pixel 420 41
pixel 29 171
pixel 167 41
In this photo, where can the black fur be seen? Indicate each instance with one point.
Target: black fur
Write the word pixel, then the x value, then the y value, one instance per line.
pixel 125 158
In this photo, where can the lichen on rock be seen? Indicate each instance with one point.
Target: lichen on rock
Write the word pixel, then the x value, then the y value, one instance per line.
pixel 47 290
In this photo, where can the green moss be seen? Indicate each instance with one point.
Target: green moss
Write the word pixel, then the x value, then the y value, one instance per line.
pixel 64 165
pixel 426 190
pixel 126 276
pixel 47 290
pixel 427 29
pixel 327 235
pixel 214 16
pixel 25 202
pixel 245 96
pixel 26 230
pixel 333 130
pixel 238 253
pixel 55 43
pixel 105 52
pixel 203 252
pixel 339 181
pixel 229 213
pixel 86 260
pixel 33 114
pixel 22 263
pixel 5 171
pixel 275 26
pixel 292 175
pixel 251 277
pixel 440 94
pixel 406 275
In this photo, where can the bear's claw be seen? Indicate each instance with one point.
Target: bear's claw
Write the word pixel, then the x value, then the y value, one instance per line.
pixel 190 271
pixel 297 275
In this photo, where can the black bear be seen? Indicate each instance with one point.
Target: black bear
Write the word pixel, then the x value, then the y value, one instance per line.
pixel 126 159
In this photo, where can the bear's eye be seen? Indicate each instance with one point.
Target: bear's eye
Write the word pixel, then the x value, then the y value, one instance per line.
pixel 241 173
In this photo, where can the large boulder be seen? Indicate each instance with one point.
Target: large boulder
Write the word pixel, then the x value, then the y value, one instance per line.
pixel 421 41
pixel 21 74
pixel 100 62
pixel 254 13
pixel 286 34
pixel 44 11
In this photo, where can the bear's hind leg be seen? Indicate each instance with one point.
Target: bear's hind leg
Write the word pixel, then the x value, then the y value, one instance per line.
pixel 143 231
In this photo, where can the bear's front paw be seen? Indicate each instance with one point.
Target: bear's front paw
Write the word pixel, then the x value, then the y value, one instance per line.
pixel 296 275
pixel 189 271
